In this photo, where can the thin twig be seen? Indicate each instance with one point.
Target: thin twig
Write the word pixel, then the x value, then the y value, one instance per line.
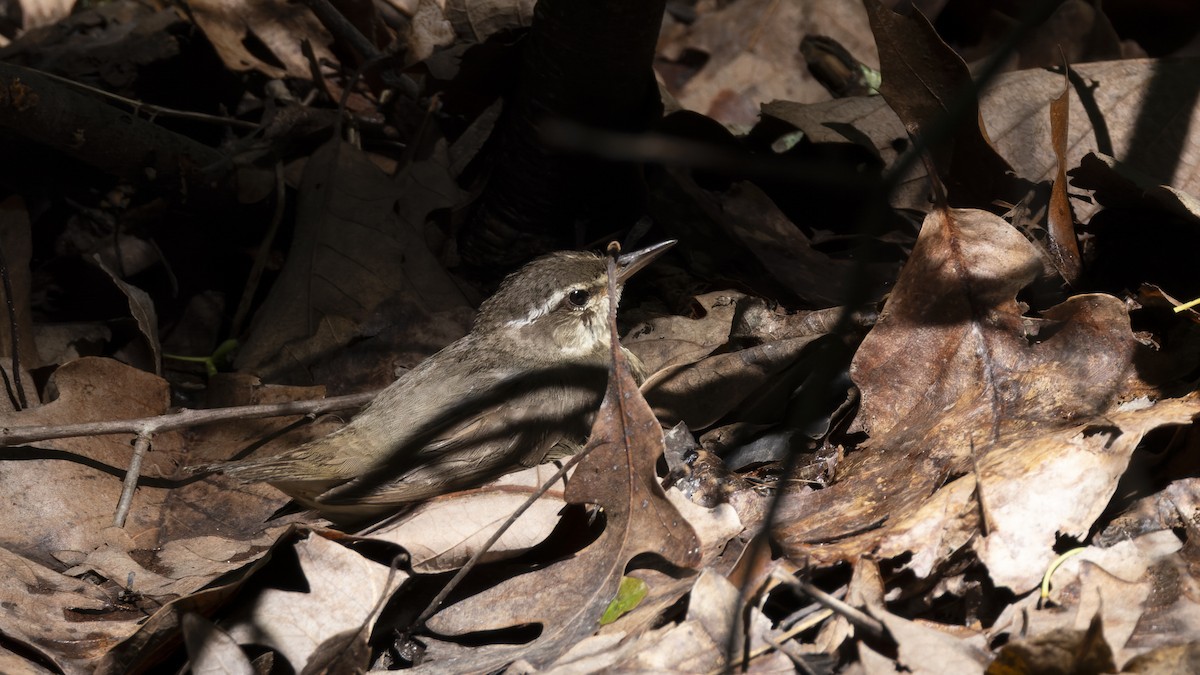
pixel 343 31
pixel 985 516
pixel 857 618
pixel 777 645
pixel 487 545
pixel 10 436
pixel 151 109
pixel 263 255
pixel 129 486
pixel 22 402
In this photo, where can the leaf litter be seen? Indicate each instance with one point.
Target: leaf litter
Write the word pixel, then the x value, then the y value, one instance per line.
pixel 988 423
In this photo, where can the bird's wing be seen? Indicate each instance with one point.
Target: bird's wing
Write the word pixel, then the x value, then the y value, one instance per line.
pixel 493 440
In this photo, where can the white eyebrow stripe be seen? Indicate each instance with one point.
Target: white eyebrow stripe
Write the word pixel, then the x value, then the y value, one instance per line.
pixel 541 310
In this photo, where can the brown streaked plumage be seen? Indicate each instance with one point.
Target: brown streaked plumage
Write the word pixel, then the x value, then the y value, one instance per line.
pixel 529 375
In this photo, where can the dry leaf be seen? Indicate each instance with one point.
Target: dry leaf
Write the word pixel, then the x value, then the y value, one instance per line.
pixel 925 650
pixel 954 377
pixel 16 239
pixel 1058 651
pixel 1133 588
pixel 1060 221
pixel 353 250
pixel 141 307
pixel 923 81
pixel 211 651
pixel 480 19
pixel 343 592
pixel 1157 144
pixel 752 55
pixel 277 26
pixel 443 533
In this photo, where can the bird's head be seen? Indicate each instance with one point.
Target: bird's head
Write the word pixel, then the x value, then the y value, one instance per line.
pixel 561 300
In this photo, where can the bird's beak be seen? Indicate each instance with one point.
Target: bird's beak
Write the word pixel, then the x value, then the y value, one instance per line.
pixel 630 263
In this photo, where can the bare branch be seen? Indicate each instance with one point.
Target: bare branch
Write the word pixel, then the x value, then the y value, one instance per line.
pixel 149 426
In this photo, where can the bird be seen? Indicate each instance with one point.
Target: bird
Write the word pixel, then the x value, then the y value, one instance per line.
pixel 528 377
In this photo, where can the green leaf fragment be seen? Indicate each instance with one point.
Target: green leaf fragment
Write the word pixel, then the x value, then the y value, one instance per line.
pixel 629 595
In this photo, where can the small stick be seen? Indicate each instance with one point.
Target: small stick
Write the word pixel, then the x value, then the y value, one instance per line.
pixel 10 436
pixel 129 486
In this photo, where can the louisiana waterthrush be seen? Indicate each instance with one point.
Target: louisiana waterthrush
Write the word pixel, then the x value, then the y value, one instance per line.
pixel 529 376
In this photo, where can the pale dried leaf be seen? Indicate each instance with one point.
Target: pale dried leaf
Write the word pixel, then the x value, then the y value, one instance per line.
pixel 925 650
pixel 344 593
pixel 42 608
pixel 714 604
pixel 35 13
pixel 141 307
pixel 442 534
pixel 212 651
pixel 279 25
pixel 1057 484
pixel 15 663
pixel 1133 588
pixel 752 54
pixel 480 19
pixel 429 29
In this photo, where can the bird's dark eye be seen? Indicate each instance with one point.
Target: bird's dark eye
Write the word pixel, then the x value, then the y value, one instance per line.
pixel 578 297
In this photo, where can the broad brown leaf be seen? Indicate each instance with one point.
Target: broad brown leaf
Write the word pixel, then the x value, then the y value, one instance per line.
pixel 1060 221
pixel 61 495
pixel 356 247
pixel 1139 110
pixel 926 83
pixel 955 380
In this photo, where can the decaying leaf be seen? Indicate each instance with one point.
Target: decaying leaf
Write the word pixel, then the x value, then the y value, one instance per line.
pixel 1064 650
pixel 751 54
pixel 480 19
pixel 1152 138
pixel 957 383
pixel 927 83
pixel 16 240
pixel 277 26
pixel 928 648
pixel 1060 221
pixel 49 626
pixel 1129 587
pixel 354 250
pixel 343 593
pixel 141 307
pixel 444 533
pixel 212 651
